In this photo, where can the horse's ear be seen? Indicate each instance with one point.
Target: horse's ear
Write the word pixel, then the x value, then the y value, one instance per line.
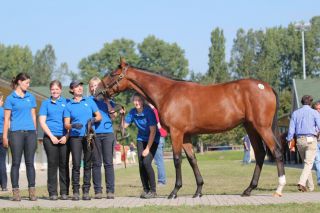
pixel 122 62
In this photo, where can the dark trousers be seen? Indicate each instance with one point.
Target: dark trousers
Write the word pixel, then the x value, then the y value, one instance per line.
pixel 3 167
pixel 23 142
pixel 79 145
pixel 57 155
pixel 103 150
pixel 145 166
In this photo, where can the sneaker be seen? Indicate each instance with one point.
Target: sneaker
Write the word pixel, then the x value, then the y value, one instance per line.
pixel 143 194
pixel 4 189
pixel 110 195
pixel 64 197
pixel 53 197
pixel 150 195
pixel 86 196
pixel 98 195
pixel 76 196
pixel 160 184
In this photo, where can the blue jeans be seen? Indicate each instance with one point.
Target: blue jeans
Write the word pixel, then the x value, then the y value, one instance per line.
pixel 160 163
pixel 317 163
pixel 246 157
pixel 3 168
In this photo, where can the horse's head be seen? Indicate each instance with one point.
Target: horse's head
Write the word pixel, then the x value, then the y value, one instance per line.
pixel 113 82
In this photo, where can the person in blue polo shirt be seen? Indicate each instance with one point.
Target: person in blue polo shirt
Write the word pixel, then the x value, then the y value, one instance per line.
pixel 104 143
pixel 20 113
pixel 76 115
pixel 147 142
pixel 55 141
pixel 3 150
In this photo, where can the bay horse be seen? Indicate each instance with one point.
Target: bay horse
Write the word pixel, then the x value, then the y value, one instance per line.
pixel 187 108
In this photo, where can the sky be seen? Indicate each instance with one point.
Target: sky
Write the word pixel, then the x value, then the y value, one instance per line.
pixel 78 28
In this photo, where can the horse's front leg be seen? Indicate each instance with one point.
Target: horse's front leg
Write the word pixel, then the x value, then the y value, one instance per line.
pixel 176 138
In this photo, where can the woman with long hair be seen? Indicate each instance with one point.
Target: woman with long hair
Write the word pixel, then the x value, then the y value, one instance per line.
pixel 147 142
pixel 20 112
pixel 104 143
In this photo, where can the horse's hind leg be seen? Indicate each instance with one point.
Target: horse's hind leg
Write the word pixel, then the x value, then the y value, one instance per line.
pixel 177 138
pixel 260 153
pixel 276 149
pixel 188 148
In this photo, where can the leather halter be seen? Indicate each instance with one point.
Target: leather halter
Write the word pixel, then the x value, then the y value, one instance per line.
pixel 114 82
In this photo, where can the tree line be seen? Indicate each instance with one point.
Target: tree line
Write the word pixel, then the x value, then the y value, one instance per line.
pixel 273 55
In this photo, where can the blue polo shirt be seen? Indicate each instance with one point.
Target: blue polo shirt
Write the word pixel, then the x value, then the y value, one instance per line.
pixel 105 125
pixel 21 116
pixel 143 121
pixel 54 115
pixel 80 112
pixel 1 119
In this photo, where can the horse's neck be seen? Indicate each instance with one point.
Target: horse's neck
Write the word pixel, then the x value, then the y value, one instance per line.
pixel 150 85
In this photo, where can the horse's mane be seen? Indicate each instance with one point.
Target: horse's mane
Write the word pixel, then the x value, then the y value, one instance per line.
pixel 160 74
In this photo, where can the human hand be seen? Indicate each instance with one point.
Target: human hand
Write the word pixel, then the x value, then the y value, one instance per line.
pixel 54 140
pixel 77 125
pixel 145 152
pixel 122 110
pixel 5 142
pixel 63 140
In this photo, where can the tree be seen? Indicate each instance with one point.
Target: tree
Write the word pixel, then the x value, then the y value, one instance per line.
pixel 43 66
pixel 163 58
pixel 63 74
pixel 217 65
pixel 242 62
pixel 13 60
pixel 107 59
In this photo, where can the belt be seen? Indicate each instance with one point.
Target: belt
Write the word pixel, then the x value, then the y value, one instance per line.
pixel 304 136
pixel 24 131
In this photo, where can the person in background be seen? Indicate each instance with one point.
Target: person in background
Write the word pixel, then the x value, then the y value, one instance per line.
pixel 20 115
pixel 55 141
pixel 162 180
pixel 317 158
pixel 147 142
pixel 77 113
pixel 104 143
pixel 246 149
pixel 303 124
pixel 3 150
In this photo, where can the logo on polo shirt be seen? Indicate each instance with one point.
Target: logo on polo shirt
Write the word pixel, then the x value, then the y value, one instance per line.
pixel 86 104
pixel 63 105
pixel 28 100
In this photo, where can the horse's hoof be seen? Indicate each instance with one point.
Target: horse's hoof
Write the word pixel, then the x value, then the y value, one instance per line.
pixel 276 194
pixel 197 195
pixel 172 196
pixel 246 194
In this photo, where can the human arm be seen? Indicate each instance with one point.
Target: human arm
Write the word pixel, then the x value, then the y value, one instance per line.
pixel 47 131
pixel 6 124
pixel 34 117
pixel 292 128
pixel 150 140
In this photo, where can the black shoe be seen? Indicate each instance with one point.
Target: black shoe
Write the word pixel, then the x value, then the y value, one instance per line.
pixel 64 197
pixel 86 196
pixel 98 195
pixel 53 197
pixel 76 196
pixel 110 195
pixel 150 195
